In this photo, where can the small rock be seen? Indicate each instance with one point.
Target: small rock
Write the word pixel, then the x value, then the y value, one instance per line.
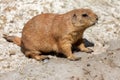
pixel 12 52
pixel 45 61
pixel 88 65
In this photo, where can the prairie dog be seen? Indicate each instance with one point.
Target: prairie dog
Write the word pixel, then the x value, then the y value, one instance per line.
pixel 55 32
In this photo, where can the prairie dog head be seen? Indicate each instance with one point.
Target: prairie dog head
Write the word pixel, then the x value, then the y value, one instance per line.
pixel 84 18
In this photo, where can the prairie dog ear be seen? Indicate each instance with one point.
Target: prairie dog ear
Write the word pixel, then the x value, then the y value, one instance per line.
pixel 74 18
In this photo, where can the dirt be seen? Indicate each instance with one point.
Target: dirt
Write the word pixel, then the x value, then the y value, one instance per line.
pixel 105 66
pixel 102 64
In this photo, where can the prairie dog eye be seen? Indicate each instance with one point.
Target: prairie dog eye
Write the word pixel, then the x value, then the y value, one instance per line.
pixel 84 15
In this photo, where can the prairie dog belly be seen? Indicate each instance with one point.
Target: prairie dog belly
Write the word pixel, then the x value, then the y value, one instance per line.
pixel 48 46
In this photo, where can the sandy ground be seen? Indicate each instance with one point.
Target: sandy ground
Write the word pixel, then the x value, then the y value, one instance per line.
pixel 102 64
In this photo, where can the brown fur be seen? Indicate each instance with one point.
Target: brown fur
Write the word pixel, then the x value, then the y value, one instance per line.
pixel 55 32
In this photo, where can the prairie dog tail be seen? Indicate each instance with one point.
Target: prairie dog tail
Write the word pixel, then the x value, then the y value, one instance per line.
pixel 14 39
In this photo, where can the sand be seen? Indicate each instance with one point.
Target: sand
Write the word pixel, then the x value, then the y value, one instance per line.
pixel 102 64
